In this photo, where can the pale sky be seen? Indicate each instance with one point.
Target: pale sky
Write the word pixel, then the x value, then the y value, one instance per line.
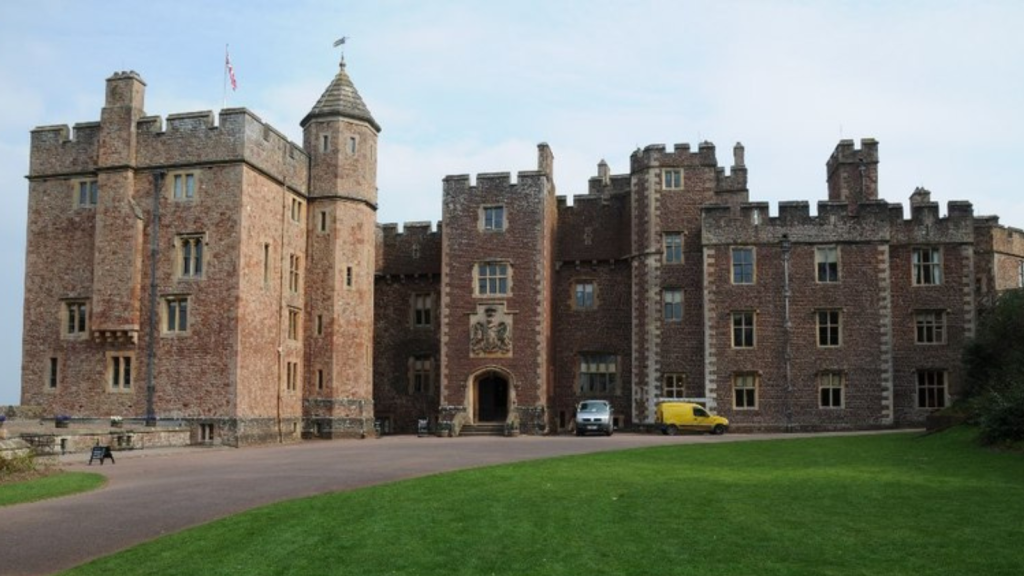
pixel 472 86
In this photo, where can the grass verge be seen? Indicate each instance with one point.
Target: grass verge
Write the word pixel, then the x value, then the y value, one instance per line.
pixel 881 504
pixel 48 486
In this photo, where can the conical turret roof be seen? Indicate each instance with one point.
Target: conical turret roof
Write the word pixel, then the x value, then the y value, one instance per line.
pixel 341 99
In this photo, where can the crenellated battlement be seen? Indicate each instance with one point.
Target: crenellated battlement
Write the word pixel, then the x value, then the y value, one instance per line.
pixel 413 250
pixel 56 149
pixel 656 155
pixel 419 229
pixel 494 182
pixel 834 222
pixel 184 139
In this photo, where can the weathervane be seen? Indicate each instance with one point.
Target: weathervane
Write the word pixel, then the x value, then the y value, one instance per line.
pixel 341 42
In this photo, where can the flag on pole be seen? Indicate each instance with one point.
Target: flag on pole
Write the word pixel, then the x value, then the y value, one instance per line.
pixel 231 70
pixel 340 41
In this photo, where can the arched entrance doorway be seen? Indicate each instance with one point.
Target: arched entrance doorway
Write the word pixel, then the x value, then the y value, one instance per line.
pixel 491 397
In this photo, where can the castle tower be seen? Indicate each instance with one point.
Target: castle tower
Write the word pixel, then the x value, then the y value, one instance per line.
pixel 853 173
pixel 340 136
pixel 117 259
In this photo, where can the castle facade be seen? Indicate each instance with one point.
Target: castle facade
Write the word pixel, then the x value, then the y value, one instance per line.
pixel 217 275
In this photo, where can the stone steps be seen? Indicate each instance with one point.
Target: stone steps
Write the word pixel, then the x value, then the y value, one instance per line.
pixel 483 429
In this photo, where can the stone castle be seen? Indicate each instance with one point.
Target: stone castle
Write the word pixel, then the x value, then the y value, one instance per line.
pixel 208 271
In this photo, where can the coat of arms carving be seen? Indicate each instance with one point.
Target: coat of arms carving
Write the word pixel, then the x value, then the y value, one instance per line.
pixel 490 331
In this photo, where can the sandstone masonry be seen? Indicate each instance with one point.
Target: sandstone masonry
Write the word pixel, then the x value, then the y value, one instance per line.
pixel 206 270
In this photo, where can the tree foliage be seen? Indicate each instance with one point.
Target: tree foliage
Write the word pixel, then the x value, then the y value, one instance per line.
pixel 994 363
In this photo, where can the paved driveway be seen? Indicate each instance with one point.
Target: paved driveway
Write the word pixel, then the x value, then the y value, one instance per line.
pixel 151 492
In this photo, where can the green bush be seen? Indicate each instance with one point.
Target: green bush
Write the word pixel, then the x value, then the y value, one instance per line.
pixel 994 363
pixel 1001 416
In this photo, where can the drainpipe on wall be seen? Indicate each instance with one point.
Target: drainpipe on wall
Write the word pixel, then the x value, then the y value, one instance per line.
pixel 154 253
pixel 786 330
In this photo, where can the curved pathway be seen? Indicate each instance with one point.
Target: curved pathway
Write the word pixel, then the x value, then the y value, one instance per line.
pixel 152 492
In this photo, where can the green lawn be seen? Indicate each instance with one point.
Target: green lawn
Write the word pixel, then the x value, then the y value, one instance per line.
pixel 61 484
pixel 884 504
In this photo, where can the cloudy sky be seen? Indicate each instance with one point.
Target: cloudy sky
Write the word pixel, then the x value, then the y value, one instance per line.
pixel 473 86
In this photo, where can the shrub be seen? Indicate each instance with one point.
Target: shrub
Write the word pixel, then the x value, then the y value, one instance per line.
pixel 1001 416
pixel 994 363
pixel 10 465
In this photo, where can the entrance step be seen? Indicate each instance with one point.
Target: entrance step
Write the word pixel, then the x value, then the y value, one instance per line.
pixel 483 429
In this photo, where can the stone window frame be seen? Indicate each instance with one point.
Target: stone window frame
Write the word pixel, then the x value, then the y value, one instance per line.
pixel 826 271
pixel 672 243
pixel 673 385
pixel 829 327
pixel 746 272
pixel 353 145
pixel 320 379
pixel 831 389
pixel 52 373
pixel 119 375
pixel 74 319
pixel 1020 274
pixel 294 323
pixel 183 186
pixel 673 178
pixel 190 253
pixel 294 273
pixel 493 218
pixel 422 308
pixel 926 271
pixel 930 327
pixel 319 324
pixel 597 374
pixel 749 383
pixel 297 207
pixel 421 374
pixel 85 192
pixel 173 315
pixel 583 299
pixel 932 388
pixel 291 378
pixel 207 432
pixel 672 308
pixel 349 278
pixel 323 222
pixel 325 143
pixel 481 281
pixel 740 332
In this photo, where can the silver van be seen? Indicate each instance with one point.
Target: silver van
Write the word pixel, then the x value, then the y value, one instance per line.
pixel 594 416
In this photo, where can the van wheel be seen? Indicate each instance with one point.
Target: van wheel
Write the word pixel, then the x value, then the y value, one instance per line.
pixel 609 432
pixel 672 430
pixel 718 430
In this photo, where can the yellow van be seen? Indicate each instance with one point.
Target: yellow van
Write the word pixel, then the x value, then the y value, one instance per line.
pixel 673 417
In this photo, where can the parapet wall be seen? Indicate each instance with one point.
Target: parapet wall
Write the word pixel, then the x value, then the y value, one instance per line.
pixel 874 221
pixel 655 155
pixel 189 139
pixel 416 249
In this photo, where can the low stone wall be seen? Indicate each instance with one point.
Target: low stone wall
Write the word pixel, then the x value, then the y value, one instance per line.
pixel 14 448
pixel 69 441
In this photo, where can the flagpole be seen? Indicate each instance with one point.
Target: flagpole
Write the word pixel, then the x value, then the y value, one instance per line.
pixel 224 86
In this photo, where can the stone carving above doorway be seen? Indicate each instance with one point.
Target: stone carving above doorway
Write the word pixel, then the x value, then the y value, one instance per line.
pixel 490 331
